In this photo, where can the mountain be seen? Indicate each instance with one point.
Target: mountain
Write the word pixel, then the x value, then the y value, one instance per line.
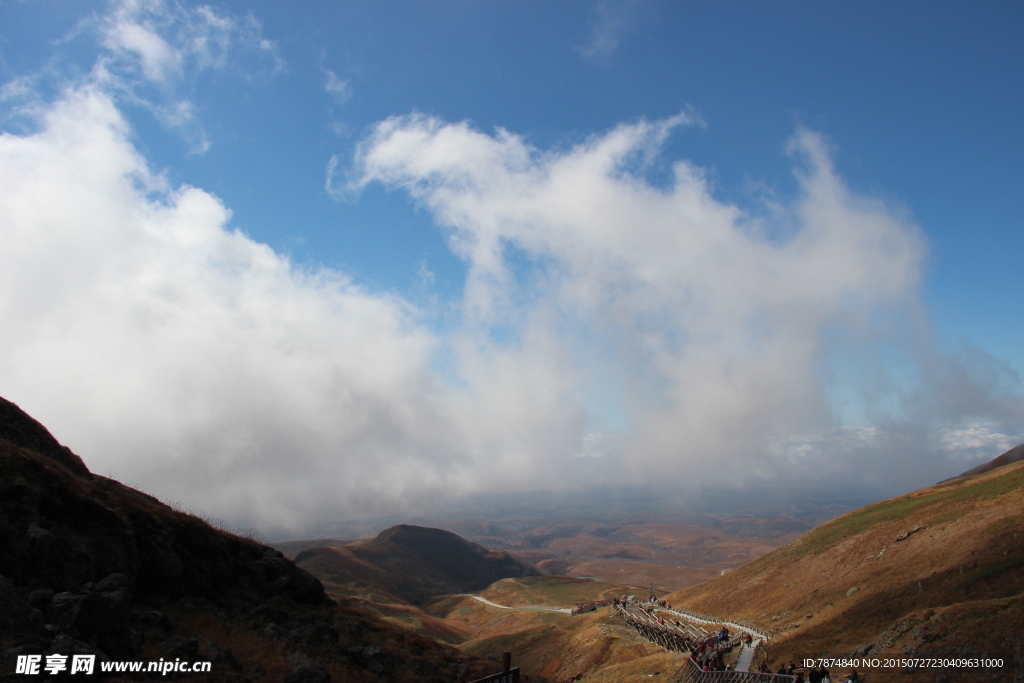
pixel 938 572
pixel 90 566
pixel 292 548
pixel 410 564
pixel 1015 454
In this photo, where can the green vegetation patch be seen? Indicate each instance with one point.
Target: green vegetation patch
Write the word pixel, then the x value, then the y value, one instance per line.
pixel 1008 523
pixel 990 488
pixel 958 482
pixel 948 517
pixel 828 535
pixel 991 571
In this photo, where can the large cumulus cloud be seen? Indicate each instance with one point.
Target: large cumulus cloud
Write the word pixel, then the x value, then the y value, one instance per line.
pixel 177 353
pixel 716 332
pixel 611 328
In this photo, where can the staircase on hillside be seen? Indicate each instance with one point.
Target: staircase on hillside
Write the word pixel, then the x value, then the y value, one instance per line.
pixel 746 657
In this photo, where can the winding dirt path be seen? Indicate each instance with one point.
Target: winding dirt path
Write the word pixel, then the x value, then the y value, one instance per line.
pixel 531 608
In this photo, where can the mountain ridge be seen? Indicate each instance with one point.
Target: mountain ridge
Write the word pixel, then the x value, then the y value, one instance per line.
pixel 412 564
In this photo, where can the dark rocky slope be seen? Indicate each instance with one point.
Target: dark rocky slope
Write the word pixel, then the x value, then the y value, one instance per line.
pixel 88 565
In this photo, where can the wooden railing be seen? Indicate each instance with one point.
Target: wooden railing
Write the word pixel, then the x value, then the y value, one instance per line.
pixel 714 620
pixel 666 635
pixel 583 607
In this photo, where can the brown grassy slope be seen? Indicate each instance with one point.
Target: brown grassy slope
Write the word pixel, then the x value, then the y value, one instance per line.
pixel 423 621
pixel 410 564
pixel 939 571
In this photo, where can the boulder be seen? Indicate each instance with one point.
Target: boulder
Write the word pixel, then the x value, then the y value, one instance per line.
pixel 14 612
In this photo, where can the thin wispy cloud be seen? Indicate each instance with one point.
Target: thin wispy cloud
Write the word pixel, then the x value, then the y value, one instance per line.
pixel 165 42
pixel 337 88
pixel 609 24
pixel 154 50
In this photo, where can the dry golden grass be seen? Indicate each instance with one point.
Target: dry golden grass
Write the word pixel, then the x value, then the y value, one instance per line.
pixel 551 591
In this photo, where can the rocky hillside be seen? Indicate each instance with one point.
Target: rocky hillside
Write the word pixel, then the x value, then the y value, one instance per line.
pixel 938 572
pixel 410 564
pixel 88 565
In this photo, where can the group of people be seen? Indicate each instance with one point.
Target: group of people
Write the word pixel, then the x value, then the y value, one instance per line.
pixel 707 652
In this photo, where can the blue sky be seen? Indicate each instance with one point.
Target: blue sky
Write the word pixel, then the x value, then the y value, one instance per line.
pixel 529 241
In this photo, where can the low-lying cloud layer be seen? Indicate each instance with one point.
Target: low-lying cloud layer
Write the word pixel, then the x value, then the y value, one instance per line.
pixel 611 329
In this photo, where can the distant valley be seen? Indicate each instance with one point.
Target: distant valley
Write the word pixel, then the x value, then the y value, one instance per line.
pixel 671 555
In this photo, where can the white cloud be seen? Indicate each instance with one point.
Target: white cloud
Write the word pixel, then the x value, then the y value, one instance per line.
pixel 658 331
pixel 158 60
pixel 179 355
pixel 976 442
pixel 716 335
pixel 182 355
